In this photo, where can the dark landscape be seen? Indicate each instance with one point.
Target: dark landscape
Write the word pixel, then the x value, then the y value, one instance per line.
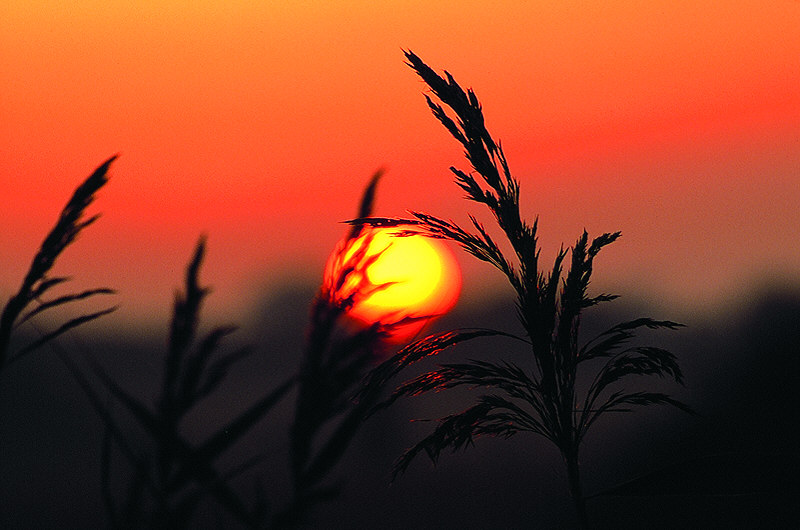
pixel 735 463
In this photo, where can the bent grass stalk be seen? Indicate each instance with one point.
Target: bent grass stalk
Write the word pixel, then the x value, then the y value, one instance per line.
pixel 540 395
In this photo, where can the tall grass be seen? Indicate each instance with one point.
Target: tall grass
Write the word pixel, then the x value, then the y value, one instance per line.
pixel 38 283
pixel 167 476
pixel 167 483
pixel 153 475
pixel 171 475
pixel 539 395
pixel 336 360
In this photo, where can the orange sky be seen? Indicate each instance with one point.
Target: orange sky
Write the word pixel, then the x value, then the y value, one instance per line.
pixel 258 124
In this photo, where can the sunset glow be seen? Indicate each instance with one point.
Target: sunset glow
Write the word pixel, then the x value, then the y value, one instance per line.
pixel 258 123
pixel 333 239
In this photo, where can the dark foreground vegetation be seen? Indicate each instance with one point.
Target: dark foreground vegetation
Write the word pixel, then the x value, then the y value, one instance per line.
pixel 290 423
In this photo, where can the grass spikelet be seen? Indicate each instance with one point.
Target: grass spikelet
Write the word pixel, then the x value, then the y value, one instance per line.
pixel 70 224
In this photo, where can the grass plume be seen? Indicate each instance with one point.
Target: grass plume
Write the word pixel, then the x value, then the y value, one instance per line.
pixel 37 282
pixel 540 395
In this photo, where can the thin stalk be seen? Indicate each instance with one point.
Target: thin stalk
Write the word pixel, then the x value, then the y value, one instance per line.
pixel 575 489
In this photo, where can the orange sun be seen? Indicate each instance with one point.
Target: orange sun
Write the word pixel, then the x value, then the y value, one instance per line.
pixel 395 277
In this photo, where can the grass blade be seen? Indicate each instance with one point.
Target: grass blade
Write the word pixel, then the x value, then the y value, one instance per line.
pixel 75 322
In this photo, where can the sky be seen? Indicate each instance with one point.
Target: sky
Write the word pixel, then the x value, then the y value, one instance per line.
pixel 259 123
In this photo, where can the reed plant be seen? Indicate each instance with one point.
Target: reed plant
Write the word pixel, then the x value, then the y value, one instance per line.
pixel 539 394
pixel 165 475
pixel 337 358
pixel 169 478
pixel 37 285
pixel 171 475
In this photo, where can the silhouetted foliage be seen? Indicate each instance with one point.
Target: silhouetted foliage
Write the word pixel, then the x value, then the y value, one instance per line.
pixel 166 476
pixel 168 481
pixel 336 360
pixel 154 476
pixel 540 396
pixel 37 283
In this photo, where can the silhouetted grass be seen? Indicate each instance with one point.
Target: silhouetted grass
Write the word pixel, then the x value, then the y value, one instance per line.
pixel 336 360
pixel 37 283
pixel 165 486
pixel 538 396
pixel 171 476
pixel 165 476
pixel 168 476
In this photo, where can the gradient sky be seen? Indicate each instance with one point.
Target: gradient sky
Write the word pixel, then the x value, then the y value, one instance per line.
pixel 258 123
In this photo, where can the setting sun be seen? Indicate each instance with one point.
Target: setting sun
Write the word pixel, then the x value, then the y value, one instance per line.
pixel 399 277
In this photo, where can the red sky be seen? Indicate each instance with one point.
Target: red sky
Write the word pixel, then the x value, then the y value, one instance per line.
pixel 258 124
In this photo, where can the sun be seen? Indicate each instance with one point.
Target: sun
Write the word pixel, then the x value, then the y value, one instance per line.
pixel 396 277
